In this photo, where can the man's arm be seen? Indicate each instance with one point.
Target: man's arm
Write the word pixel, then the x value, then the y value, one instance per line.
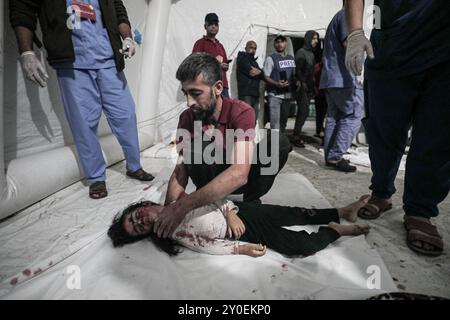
pixel 177 184
pixel 221 186
pixel 24 39
pixel 124 26
pixel 225 183
pixel 23 19
pixel 122 16
pixel 354 11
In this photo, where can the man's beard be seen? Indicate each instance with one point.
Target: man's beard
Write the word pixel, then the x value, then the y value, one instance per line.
pixel 205 115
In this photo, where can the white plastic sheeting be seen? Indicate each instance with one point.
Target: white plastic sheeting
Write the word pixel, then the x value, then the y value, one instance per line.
pixel 344 270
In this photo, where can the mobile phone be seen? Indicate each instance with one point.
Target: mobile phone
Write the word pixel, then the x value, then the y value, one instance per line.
pixel 229 61
pixel 283 75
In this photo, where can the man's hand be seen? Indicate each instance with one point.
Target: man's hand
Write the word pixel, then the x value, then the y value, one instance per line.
pixel 128 47
pixel 357 44
pixel 33 68
pixel 225 66
pixel 282 84
pixel 253 250
pixel 169 219
pixel 236 227
pixel 255 72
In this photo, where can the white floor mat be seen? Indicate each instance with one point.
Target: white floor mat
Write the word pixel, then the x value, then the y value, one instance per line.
pixel 348 269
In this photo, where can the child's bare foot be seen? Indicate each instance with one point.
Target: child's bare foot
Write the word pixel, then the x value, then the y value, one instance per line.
pixel 350 212
pixel 350 230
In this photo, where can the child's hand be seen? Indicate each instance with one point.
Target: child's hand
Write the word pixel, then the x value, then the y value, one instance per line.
pixel 236 227
pixel 253 250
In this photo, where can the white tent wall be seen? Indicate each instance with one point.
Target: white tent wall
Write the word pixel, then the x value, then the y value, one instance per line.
pixel 240 21
pixel 37 156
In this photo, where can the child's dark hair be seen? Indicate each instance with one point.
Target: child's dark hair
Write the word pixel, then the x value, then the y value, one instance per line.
pixel 121 237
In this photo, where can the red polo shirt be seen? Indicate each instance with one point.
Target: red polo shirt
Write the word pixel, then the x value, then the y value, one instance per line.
pixel 215 49
pixel 235 115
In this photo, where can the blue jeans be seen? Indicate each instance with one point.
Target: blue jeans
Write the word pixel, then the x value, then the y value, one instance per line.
pixel 423 101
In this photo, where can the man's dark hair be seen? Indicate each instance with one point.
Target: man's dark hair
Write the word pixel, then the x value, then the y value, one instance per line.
pixel 121 237
pixel 280 37
pixel 200 63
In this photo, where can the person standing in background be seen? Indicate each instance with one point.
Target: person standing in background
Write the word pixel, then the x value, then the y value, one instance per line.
pixel 89 61
pixel 279 69
pixel 408 81
pixel 249 76
pixel 304 61
pixel 345 97
pixel 211 45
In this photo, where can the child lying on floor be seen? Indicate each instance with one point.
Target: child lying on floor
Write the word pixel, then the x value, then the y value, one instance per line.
pixel 214 229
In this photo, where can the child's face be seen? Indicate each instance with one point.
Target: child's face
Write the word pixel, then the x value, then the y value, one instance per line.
pixel 140 221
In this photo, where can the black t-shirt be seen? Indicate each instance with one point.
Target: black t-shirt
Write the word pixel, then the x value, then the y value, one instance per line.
pixel 414 36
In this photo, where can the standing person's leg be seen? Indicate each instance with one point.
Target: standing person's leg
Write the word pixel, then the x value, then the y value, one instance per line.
pixel 389 114
pixel 321 111
pixel 252 101
pixel 275 112
pixel 350 105
pixel 302 112
pixel 284 114
pixel 427 176
pixel 119 108
pixel 83 109
pixel 331 123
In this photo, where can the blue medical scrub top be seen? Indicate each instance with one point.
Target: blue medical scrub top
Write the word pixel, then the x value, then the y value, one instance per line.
pixel 91 43
pixel 334 72
pixel 414 36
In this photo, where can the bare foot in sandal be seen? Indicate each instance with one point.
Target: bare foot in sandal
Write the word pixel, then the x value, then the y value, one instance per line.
pixel 350 212
pixel 351 229
pixel 98 190
pixel 423 237
pixel 374 208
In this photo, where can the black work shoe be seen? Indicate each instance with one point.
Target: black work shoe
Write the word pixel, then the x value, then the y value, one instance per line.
pixel 140 175
pixel 342 165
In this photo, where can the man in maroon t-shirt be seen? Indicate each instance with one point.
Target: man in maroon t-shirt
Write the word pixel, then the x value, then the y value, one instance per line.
pixel 209 44
pixel 215 140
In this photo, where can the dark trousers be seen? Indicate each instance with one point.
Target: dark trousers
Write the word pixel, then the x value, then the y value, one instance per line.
pixel 264 222
pixel 303 101
pixel 252 101
pixel 258 184
pixel 423 101
pixel 321 111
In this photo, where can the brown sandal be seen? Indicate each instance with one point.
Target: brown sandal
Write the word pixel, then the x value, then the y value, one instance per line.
pixel 97 190
pixel 140 175
pixel 426 233
pixel 374 208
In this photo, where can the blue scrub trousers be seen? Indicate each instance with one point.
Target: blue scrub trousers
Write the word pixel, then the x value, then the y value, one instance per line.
pixel 345 109
pixel 85 93
pixel 423 101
